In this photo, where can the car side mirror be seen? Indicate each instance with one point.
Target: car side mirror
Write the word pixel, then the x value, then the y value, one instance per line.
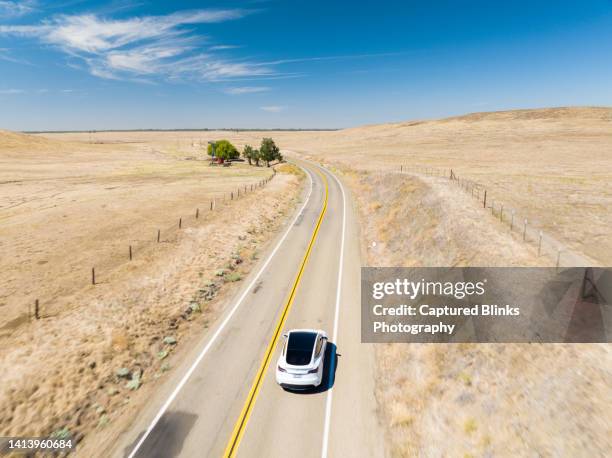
pixel 324 337
pixel 285 335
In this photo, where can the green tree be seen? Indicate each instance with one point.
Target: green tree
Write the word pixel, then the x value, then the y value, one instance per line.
pixel 256 156
pixel 269 151
pixel 224 151
pixel 247 153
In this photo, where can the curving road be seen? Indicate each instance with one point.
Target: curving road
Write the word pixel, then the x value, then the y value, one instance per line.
pixel 225 400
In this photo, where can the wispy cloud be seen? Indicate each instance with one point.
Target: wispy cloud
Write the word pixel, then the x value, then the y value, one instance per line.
pixel 140 46
pixel 37 91
pixel 12 9
pixel 92 34
pixel 246 90
pixel 223 47
pixel 273 108
pixel 208 68
pixel 5 54
pixel 333 58
pixel 152 48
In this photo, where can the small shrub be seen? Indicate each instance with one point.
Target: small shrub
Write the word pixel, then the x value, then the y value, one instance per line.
pixel 234 276
pixel 470 426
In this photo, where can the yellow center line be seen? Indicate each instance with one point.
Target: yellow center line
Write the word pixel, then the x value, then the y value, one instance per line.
pixel 240 426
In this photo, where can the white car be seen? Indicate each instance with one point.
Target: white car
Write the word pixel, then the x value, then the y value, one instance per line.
pixel 300 365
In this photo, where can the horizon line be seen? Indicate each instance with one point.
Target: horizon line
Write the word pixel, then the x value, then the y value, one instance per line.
pixel 205 129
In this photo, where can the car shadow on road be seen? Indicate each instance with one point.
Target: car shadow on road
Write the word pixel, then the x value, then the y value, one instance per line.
pixel 330 366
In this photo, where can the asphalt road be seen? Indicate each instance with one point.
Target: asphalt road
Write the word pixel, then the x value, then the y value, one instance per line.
pixel 197 412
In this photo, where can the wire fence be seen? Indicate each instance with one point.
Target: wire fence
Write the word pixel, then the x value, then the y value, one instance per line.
pixel 519 225
pixel 122 251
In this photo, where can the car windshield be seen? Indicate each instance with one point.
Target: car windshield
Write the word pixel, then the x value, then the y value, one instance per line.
pixel 299 348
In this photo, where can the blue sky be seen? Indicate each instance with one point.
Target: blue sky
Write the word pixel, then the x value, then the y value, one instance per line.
pixel 80 65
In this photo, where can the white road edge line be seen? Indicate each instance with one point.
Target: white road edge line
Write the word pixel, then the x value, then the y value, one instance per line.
pixel 220 328
pixel 328 403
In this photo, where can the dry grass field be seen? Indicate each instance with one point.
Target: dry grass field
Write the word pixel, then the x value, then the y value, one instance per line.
pixel 474 400
pixel 68 207
pixel 554 166
pixel 95 354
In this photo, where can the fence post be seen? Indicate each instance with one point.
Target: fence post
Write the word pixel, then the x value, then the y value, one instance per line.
pixel 197 213
pixel 36 314
pixel 93 275
pixel 158 234
pixel 180 222
pixel 484 201
pixel 525 230
pixel 130 252
pixel 232 195
pixel 501 213
pixel 540 244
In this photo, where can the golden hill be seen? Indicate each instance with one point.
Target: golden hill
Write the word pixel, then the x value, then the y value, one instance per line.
pixel 15 140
